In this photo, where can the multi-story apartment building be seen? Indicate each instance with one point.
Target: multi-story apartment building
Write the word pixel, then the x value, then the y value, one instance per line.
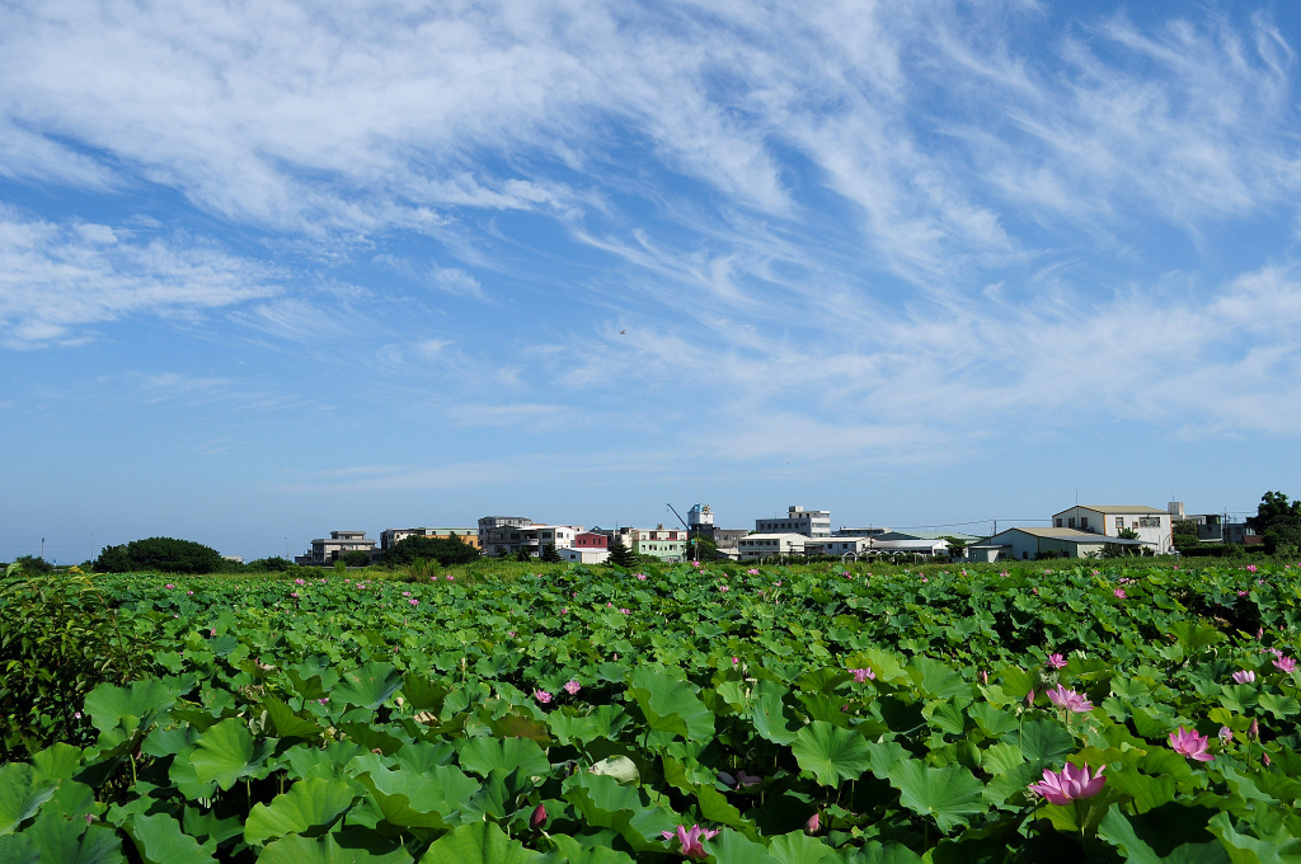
pixel 810 523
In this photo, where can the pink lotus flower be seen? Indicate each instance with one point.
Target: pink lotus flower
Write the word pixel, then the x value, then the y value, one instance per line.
pixel 1186 742
pixel 752 572
pixel 1226 734
pixel 1284 664
pixel 1251 568
pixel 572 687
pixel 861 675
pixel 414 602
pixel 1069 784
pixel 542 696
pixel 1120 593
pixel 691 840
pixel 747 780
pixel 1244 676
pixel 1057 661
pixel 641 577
pixel 1069 699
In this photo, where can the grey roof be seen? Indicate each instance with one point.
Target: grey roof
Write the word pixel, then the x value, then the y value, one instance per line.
pixel 1122 509
pixel 1071 535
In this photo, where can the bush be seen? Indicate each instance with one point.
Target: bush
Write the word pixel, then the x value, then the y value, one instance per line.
pixel 59 639
pixel 444 550
pixel 355 558
pixel 160 553
pixel 34 565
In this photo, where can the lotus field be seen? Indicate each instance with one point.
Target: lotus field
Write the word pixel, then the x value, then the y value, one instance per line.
pixel 1046 712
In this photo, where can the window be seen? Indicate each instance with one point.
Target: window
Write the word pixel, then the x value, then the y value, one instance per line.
pixel 1058 523
pixel 1071 522
pixel 1120 522
pixel 1084 521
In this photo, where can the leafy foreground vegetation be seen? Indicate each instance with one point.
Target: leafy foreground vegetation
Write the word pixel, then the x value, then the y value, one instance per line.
pixel 716 713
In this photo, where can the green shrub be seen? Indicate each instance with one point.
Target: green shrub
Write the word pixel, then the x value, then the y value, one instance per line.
pixel 59 639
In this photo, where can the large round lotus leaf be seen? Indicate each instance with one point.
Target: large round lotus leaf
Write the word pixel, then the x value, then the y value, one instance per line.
pixel 831 753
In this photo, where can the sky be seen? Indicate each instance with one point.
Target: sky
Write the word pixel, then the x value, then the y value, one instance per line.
pixel 273 269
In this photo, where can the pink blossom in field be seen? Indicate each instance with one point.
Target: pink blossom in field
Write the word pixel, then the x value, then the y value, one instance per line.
pixel 1226 734
pixel 1069 699
pixel 1244 676
pixel 1057 661
pixel 641 577
pixel 1242 593
pixel 542 696
pixel 861 675
pixel 1251 568
pixel 723 588
pixel 691 840
pixel 736 660
pixel 984 676
pixel 414 602
pixel 572 686
pixel 1069 784
pixel 813 823
pixel 451 578
pixel 752 572
pixel 1120 593
pixel 1284 664
pixel 169 586
pixel 1186 742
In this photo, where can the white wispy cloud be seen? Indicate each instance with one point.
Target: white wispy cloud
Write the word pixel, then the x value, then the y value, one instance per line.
pixel 58 281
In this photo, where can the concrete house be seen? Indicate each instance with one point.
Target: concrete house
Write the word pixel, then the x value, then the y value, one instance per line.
pixel 810 523
pixel 1154 527
pixel 755 546
pixel 1027 544
pixel 327 551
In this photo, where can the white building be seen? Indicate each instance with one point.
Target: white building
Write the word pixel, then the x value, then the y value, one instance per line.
pixel 584 555
pixel 329 550
pixel 1027 544
pixel 1154 527
pixel 810 523
pixel 755 546
pixel 837 546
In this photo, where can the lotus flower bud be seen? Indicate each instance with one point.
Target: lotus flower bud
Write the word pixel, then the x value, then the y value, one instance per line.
pixel 539 818
pixel 813 824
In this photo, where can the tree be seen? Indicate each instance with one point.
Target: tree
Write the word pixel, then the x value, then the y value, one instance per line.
pixel 270 565
pixel 165 554
pixel 444 550
pixel 355 558
pixel 550 554
pixel 621 555
pixel 1185 535
pixel 34 565
pixel 1278 521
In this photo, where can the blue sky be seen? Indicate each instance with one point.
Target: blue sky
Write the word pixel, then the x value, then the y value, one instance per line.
pixel 272 269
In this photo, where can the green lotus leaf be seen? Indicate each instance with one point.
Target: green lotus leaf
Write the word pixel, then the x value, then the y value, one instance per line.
pixel 884 853
pixel 773 719
pixel 160 840
pixel 21 849
pixel 621 768
pixel 481 755
pixel 328 849
pixel 289 724
pixel 670 704
pixel 949 794
pixel 409 799
pixel 21 795
pixel 797 847
pixel 831 753
pixel 59 762
pixel 1273 842
pixel 1042 740
pixel 131 707
pixel 568 850
pixel 603 803
pixel 368 687
pixel 478 843
pixel 732 847
pixel 935 679
pixel 1171 834
pixel 309 808
pixel 54 838
pixel 226 753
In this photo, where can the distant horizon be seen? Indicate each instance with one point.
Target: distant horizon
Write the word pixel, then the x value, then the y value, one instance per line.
pixel 272 268
pixel 374 534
